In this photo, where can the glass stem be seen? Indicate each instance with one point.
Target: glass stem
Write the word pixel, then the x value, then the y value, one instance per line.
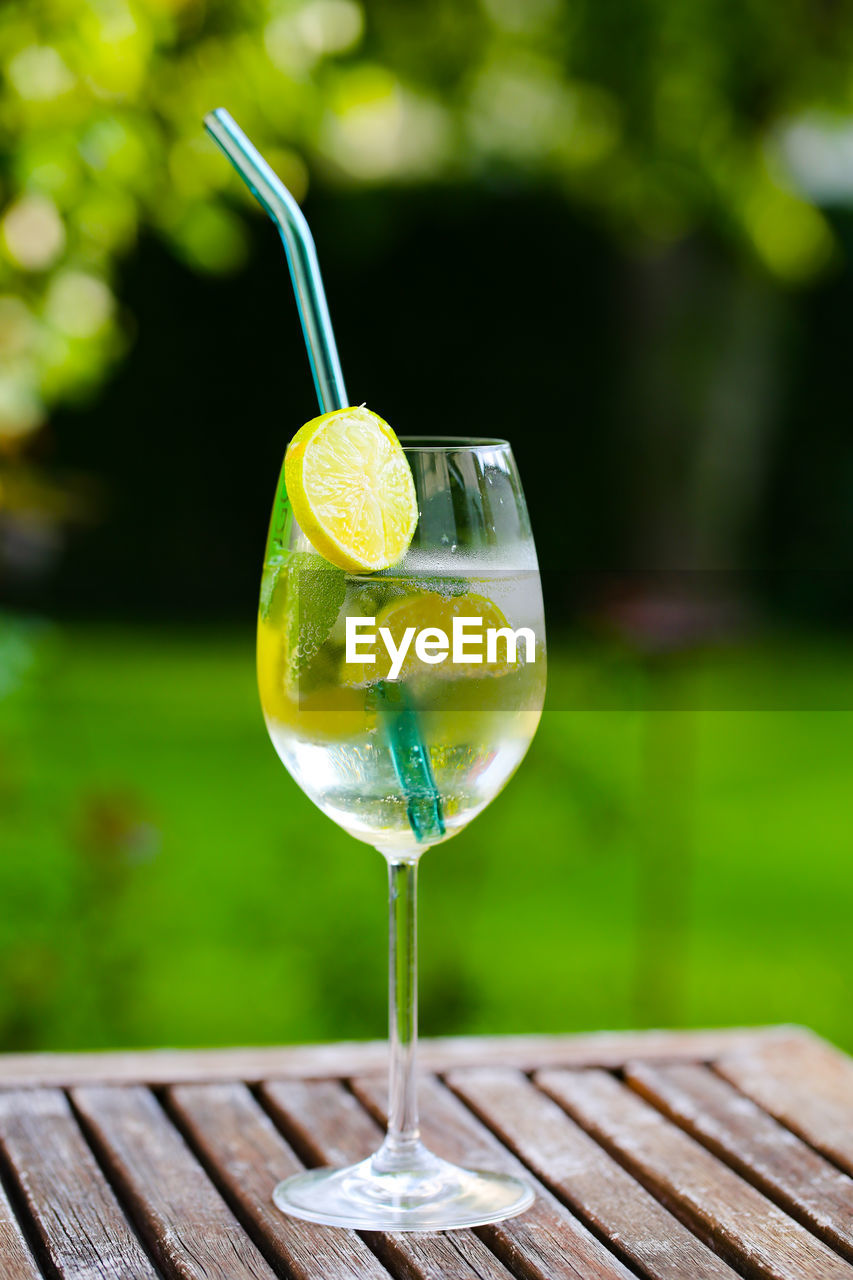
pixel 402 1147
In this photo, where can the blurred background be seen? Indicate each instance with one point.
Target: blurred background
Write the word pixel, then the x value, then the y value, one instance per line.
pixel 620 235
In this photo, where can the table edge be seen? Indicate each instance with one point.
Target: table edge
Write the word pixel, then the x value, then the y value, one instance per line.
pixel 347 1058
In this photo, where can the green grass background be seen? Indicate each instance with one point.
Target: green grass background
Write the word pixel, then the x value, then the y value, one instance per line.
pixel 674 850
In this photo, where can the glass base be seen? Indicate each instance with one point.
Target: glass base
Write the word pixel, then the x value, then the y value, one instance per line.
pixel 438 1196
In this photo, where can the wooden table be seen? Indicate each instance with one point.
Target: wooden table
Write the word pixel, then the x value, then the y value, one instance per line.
pixel 686 1156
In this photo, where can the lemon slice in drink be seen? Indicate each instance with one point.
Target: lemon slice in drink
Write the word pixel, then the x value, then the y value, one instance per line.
pixel 351 490
pixel 429 609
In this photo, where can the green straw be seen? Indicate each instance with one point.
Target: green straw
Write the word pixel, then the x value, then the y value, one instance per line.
pixel 408 751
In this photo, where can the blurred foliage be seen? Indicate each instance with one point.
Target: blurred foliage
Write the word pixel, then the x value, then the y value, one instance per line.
pixel 661 117
pixel 165 882
pixel 703 142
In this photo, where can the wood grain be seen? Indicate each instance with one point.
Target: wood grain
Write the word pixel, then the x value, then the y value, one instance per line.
pixel 183 1219
pixel 179 1066
pixel 732 1126
pixel 547 1242
pixel 80 1227
pixel 808 1086
pixel 247 1156
pixel 722 1153
pixel 16 1259
pixel 331 1127
pixel 583 1175
pixel 710 1198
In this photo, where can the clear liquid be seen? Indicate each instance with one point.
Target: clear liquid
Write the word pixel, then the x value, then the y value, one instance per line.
pixel 331 728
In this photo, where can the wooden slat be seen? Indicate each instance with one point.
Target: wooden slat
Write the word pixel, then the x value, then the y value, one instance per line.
pixel 183 1219
pixel 179 1066
pixel 730 1214
pixel 547 1242
pixel 583 1175
pixel 808 1086
pixel 714 1160
pixel 16 1261
pixel 764 1151
pixel 330 1127
pixel 75 1215
pixel 247 1156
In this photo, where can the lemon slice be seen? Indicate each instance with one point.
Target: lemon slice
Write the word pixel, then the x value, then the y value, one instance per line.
pixel 351 490
pixel 429 609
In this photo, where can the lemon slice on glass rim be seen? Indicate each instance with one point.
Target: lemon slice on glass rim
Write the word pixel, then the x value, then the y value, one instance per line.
pixel 351 490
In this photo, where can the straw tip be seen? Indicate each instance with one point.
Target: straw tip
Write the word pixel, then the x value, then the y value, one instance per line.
pixel 216 116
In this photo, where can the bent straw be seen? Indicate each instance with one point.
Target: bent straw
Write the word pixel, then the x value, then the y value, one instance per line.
pixel 274 196
pixel 408 751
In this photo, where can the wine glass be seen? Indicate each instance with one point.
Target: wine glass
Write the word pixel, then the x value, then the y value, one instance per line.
pixel 403 758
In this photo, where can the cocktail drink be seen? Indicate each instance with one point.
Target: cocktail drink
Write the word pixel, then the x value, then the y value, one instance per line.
pixel 401 667
pixel 339 726
pixel 402 700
